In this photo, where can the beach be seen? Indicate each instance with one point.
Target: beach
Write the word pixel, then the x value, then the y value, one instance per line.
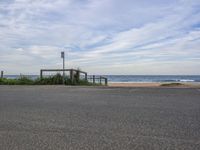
pixel 120 118
pixel 134 84
pixel 154 84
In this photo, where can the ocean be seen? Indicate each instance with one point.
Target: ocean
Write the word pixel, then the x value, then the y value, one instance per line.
pixel 153 78
pixel 138 78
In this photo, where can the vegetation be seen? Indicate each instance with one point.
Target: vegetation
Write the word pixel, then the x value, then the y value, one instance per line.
pixel 21 81
pixel 172 84
pixel 51 80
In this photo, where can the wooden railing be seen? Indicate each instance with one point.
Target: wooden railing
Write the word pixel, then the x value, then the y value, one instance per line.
pixel 98 80
pixel 92 79
pixel 72 72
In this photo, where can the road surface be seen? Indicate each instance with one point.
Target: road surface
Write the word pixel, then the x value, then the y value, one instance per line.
pixel 99 118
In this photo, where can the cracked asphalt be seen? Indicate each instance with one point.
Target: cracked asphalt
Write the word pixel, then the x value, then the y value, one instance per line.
pixel 99 118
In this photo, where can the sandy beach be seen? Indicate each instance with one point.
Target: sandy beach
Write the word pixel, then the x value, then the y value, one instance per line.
pixel 132 84
pixel 153 84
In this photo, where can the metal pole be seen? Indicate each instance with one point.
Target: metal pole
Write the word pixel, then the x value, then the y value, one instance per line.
pixel 63 69
pixel 63 57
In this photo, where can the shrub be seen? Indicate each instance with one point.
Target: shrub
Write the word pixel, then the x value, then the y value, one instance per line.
pixel 51 80
pixel 23 80
pixel 172 84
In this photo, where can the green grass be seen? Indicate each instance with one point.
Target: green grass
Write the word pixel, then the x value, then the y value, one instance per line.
pixel 171 84
pixel 21 81
pixel 51 80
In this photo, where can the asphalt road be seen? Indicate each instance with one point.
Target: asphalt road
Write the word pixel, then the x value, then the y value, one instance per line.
pixel 57 118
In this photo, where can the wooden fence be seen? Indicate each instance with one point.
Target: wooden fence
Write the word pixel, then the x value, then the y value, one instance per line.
pixel 71 71
pixel 93 79
pixel 98 80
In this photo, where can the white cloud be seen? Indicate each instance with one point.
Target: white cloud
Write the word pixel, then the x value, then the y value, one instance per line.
pixel 100 34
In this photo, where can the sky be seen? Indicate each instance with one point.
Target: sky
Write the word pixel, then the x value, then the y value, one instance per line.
pixel 130 37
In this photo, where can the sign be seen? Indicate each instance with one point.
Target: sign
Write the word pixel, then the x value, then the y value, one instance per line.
pixel 62 54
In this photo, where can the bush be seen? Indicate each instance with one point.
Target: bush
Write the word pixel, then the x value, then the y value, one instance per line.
pixel 51 80
pixel 22 80
pixel 172 84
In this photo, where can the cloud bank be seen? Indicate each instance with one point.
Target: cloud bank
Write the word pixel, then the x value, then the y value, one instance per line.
pixel 101 37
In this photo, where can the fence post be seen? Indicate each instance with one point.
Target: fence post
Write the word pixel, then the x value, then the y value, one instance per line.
pixel 1 74
pixel 100 80
pixel 41 75
pixel 106 81
pixel 72 75
pixel 93 79
pixel 85 76
pixel 78 75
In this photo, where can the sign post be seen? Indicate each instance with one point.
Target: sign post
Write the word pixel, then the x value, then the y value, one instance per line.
pixel 63 57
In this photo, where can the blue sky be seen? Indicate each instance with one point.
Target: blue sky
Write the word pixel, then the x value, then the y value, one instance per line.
pixel 101 37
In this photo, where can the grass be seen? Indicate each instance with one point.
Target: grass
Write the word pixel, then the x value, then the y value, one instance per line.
pixel 20 81
pixel 51 80
pixel 171 84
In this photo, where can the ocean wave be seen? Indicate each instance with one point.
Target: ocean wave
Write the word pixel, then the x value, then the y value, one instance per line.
pixel 186 80
pixel 178 80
